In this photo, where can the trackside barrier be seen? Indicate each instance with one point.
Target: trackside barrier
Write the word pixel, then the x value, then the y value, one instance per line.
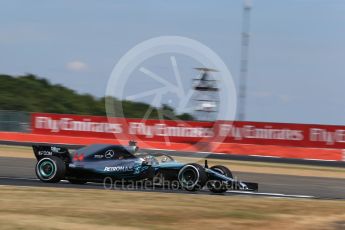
pixel 260 133
pixel 239 149
pixel 307 141
pixel 14 121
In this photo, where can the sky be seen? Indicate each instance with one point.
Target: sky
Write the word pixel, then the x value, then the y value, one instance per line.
pixel 296 57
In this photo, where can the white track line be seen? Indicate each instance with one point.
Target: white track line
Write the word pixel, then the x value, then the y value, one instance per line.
pixel 270 194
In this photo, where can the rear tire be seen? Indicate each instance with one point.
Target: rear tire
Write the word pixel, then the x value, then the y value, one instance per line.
pixel 218 186
pixel 192 177
pixel 50 169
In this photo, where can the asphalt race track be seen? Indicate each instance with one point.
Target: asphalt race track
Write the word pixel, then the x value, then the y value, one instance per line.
pixel 20 172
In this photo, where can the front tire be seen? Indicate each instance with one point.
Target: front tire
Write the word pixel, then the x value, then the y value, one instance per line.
pixel 218 186
pixel 192 177
pixel 50 169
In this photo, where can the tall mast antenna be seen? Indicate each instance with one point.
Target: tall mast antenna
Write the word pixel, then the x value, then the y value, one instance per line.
pixel 242 92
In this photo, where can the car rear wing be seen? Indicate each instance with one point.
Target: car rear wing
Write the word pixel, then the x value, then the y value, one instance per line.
pixel 42 151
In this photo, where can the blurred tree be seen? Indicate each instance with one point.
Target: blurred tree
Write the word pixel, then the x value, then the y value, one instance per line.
pixel 32 94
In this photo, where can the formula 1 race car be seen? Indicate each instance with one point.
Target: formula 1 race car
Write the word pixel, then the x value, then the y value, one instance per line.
pixel 97 162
